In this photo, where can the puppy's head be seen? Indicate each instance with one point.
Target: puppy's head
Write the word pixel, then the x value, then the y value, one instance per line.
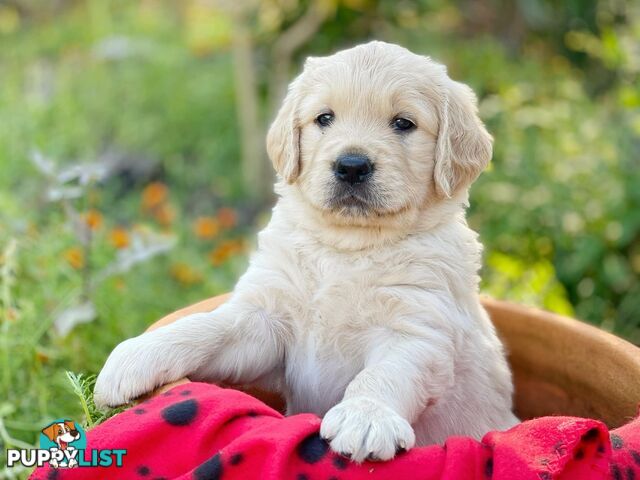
pixel 375 131
pixel 63 430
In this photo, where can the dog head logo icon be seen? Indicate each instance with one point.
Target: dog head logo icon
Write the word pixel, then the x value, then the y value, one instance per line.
pixel 65 439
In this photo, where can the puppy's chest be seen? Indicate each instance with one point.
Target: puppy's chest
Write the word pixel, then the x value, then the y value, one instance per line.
pixel 336 301
pixel 337 309
pixel 317 374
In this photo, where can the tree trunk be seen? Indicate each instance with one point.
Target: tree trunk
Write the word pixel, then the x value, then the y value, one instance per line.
pixel 256 172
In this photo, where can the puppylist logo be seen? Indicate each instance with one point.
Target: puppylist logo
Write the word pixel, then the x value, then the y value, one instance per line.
pixel 63 444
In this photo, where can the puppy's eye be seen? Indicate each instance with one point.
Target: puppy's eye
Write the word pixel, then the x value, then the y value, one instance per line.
pixel 325 119
pixel 402 124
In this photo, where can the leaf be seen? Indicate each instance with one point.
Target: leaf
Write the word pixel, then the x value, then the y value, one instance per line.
pixel 42 163
pixel 85 173
pixel 143 246
pixel 120 47
pixel 63 193
pixel 66 320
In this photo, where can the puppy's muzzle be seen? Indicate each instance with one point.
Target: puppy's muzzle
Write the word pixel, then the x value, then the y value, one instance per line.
pixel 352 168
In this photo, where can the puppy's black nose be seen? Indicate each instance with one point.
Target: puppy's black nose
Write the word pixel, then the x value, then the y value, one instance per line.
pixel 352 168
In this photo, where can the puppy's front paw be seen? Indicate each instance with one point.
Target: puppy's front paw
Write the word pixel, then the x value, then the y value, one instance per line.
pixel 133 368
pixel 365 429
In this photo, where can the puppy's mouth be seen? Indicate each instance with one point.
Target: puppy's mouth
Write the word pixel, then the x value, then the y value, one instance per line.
pixel 351 200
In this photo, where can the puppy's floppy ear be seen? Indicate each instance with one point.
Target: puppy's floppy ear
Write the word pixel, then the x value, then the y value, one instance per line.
pixel 51 432
pixel 464 146
pixel 283 138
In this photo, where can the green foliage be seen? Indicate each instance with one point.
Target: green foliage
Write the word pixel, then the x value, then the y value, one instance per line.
pixel 82 386
pixel 563 191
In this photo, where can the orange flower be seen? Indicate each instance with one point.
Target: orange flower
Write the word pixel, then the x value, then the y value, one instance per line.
pixel 11 314
pixel 227 217
pixel 206 227
pixel 42 356
pixel 224 251
pixel 153 195
pixel 75 257
pixel 184 274
pixel 119 238
pixel 93 219
pixel 164 214
pixel 218 256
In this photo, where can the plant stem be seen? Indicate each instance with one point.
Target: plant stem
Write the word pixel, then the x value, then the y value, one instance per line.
pixel 6 278
pixel 78 385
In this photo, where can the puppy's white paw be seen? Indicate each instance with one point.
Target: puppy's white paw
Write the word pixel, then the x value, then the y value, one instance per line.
pixel 365 429
pixel 135 367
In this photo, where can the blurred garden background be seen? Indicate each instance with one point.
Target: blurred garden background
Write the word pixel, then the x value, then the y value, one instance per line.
pixel 133 175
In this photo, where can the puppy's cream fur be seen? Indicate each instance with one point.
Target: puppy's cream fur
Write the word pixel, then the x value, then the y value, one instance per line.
pixel 366 313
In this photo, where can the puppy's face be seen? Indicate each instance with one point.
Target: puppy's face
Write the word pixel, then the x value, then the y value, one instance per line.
pixel 64 431
pixel 375 131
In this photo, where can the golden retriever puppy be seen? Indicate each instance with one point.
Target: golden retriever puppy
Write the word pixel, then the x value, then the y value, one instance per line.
pixel 361 302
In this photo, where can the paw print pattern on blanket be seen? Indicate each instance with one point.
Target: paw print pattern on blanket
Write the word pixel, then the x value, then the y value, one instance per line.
pixel 203 432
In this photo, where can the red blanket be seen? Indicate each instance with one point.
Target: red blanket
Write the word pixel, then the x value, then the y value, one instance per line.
pixel 198 431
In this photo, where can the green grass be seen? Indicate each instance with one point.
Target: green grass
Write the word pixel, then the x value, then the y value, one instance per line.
pixel 82 385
